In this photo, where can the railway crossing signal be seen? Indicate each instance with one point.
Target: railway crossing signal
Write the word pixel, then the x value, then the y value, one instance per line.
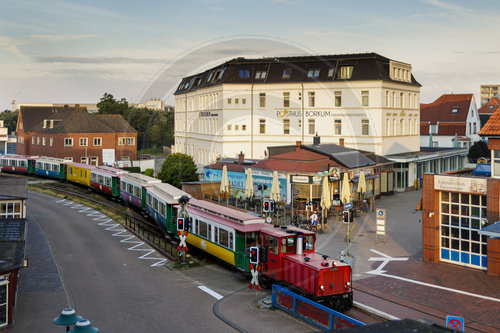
pixel 255 277
pixel 269 206
pixel 272 206
pixel 254 255
pixel 180 224
pixel 266 206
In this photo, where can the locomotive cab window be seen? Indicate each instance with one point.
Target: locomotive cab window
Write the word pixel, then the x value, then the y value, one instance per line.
pixel 288 245
pixel 308 243
pixel 272 244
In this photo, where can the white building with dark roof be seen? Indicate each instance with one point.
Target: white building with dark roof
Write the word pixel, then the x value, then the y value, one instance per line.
pixel 247 105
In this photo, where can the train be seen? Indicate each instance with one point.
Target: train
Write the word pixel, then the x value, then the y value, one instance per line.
pixel 287 254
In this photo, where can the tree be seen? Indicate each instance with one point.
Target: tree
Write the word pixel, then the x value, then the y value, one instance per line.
pixel 10 119
pixel 178 168
pixel 109 105
pixel 477 150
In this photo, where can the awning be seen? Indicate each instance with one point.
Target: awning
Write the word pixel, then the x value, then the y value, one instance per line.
pixel 492 230
pixel 356 179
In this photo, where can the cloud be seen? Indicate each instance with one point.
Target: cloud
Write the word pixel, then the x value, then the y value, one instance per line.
pixel 99 60
pixel 59 38
pixel 11 44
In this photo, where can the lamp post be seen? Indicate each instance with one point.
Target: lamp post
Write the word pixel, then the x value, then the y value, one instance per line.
pixel 67 318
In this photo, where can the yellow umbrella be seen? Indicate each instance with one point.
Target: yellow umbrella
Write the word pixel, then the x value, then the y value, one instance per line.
pixel 346 190
pixel 224 182
pixel 249 184
pixel 275 188
pixel 326 203
pixel 361 182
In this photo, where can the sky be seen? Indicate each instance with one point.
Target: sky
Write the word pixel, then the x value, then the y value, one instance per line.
pixel 75 51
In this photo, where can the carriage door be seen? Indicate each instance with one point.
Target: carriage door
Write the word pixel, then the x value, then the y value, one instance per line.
pixel 273 262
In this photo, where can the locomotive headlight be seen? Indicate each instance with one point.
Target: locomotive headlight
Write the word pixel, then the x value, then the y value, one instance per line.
pixel 322 288
pixel 348 283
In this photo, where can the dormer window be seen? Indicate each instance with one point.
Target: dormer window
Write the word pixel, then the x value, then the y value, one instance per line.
pixel 244 73
pixel 454 109
pixel 491 107
pixel 331 71
pixel 346 72
pixel 260 75
pixel 313 73
pixel 287 72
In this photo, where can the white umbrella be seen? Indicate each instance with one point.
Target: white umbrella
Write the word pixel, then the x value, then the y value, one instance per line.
pixel 224 182
pixel 249 184
pixel 325 194
pixel 275 188
pixel 346 190
pixel 361 182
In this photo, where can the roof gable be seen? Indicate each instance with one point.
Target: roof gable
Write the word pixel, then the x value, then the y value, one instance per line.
pixel 447 108
pixel 490 107
pixel 492 126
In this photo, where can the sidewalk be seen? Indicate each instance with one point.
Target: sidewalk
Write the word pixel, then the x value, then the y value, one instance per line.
pixel 436 289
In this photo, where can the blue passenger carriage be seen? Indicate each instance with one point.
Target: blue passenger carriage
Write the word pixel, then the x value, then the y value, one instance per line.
pixel 133 188
pixel 223 232
pixel 161 202
pixel 51 167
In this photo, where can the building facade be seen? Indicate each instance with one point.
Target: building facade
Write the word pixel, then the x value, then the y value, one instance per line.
pixel 450 121
pixel 369 101
pixel 7 142
pixel 76 135
pixel 488 91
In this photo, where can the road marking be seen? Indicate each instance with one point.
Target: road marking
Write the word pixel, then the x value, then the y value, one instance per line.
pixel 211 292
pixel 376 311
pixel 385 260
pixel 118 231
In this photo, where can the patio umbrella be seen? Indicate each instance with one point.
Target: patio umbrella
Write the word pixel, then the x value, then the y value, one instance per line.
pixel 361 182
pixel 275 188
pixel 249 185
pixel 346 190
pixel 325 194
pixel 224 182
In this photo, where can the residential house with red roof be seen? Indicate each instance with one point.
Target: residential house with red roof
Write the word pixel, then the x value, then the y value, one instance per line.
pixel 487 110
pixel 74 134
pixel 450 121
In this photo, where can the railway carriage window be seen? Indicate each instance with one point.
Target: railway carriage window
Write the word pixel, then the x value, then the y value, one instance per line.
pixel 130 189
pixel 85 173
pixel 13 162
pixel 162 209
pixel 195 227
pixel 38 165
pixel 137 192
pixel 22 163
pixel 123 186
pixel 155 204
pixel 223 237
pixel 250 239
pixel 148 199
pixel 47 166
pixel 231 240
pixel 272 244
pixel 92 177
pixel 100 179
pixel 209 232
pixel 203 229
pixel 216 235
pixel 108 181
pixel 55 167
pixel 70 170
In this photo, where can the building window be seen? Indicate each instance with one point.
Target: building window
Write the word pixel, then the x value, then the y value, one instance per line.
pixel 365 127
pixel 311 98
pixel 402 126
pixel 401 100
pixel 94 160
pixel 262 100
pixel 364 98
pixel 462 216
pixel 474 128
pixel 236 101
pixel 236 127
pixel 287 72
pixel 33 140
pixel 262 126
pixel 43 141
pixel 244 73
pixel 312 126
pixel 83 160
pixel 69 159
pixel 38 139
pixel 122 141
pixel 51 142
pixel 286 99
pixel 83 142
pixel 10 209
pixel 68 142
pixel 387 127
pixel 260 75
pixel 243 101
pixel 387 99
pixel 346 72
pixel 313 73
pixel 243 127
pixel 338 126
pixel 286 126
pixel 229 101
pixel 97 141
pixel 433 129
pixel 331 71
pixel 496 164
pixel 338 98
pixel 228 127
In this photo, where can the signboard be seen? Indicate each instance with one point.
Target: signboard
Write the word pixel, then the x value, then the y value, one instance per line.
pixel 334 173
pixel 108 157
pixel 455 323
pixel 460 184
pixel 380 226
pixel 348 205
pixel 300 179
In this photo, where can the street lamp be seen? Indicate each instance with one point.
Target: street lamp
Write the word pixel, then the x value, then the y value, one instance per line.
pixel 67 318
pixel 83 326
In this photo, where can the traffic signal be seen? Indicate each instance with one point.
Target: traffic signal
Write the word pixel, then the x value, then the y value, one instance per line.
pixel 187 224
pixel 272 206
pixel 254 254
pixel 351 215
pixel 180 224
pixel 266 206
pixel 347 216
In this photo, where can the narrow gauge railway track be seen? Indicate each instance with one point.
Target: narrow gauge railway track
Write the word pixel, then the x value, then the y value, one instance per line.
pixel 135 222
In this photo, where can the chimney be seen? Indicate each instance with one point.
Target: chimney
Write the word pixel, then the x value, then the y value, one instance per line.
pixel 316 139
pixel 298 144
pixel 341 142
pixel 241 158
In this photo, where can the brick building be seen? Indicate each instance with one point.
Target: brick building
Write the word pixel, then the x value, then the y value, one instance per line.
pixel 73 133
pixel 458 207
